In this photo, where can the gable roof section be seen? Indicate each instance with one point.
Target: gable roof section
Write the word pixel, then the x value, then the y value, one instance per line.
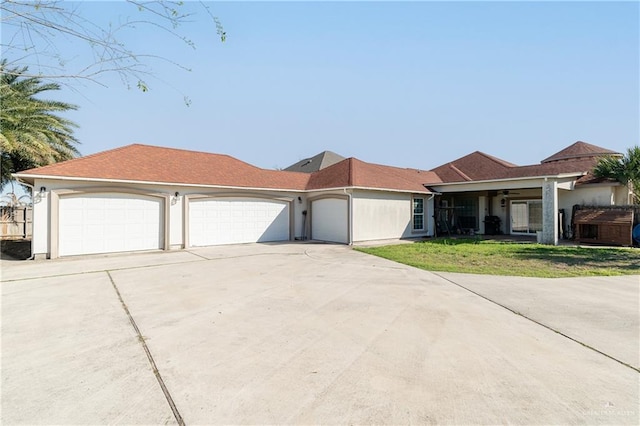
pixel 359 174
pixel 577 158
pixel 579 149
pixel 145 163
pixel 315 163
pixel 475 166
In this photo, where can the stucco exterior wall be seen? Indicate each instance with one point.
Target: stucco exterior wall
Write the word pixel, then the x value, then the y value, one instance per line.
pixel 593 196
pixel 500 210
pixel 381 215
pixel 176 237
pixel 621 195
pixel 40 237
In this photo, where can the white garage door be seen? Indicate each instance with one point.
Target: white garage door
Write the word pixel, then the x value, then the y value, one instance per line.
pixel 329 220
pixel 108 223
pixel 237 220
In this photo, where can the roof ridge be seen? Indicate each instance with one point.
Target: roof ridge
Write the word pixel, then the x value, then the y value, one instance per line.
pixel 392 167
pixel 169 148
pixel 198 152
pixel 497 160
pixel 323 156
pixel 460 172
pixel 352 171
pixel 399 173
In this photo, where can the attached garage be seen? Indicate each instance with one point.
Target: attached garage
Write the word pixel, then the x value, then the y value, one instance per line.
pixel 109 223
pixel 330 220
pixel 230 220
pixel 141 197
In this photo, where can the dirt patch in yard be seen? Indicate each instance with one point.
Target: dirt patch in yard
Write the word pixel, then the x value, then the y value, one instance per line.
pixel 15 249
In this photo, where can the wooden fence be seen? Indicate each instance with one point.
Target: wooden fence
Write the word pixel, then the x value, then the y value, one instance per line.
pixel 16 222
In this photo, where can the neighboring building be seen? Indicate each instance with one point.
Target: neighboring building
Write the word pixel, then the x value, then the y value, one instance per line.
pixel 142 197
pixel 316 163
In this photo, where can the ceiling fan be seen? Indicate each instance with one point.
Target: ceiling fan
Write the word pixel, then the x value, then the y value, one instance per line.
pixel 507 192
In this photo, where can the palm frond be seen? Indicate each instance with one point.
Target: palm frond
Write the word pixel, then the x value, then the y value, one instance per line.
pixel 32 133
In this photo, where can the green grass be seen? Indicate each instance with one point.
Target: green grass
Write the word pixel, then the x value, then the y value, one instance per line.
pixel 501 258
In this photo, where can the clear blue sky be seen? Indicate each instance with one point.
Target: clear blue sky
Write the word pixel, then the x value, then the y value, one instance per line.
pixel 405 84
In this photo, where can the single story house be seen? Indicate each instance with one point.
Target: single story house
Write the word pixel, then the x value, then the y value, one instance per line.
pixel 141 197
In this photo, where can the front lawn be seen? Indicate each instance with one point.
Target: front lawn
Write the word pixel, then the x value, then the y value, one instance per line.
pixel 501 258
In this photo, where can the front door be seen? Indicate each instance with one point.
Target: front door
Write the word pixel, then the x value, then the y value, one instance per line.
pixel 526 216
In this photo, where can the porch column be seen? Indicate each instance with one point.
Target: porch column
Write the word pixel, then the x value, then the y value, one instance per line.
pixel 550 212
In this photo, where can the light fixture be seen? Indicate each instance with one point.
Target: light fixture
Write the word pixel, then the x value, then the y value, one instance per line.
pixel 300 200
pixel 42 190
pixel 174 198
pixel 503 202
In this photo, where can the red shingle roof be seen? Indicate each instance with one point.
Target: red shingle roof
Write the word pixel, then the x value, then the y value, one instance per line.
pixel 367 175
pixel 144 163
pixel 578 165
pixel 356 173
pixel 579 149
pixel 475 166
pixel 579 157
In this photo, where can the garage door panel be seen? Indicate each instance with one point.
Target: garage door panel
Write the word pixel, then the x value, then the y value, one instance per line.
pixel 109 222
pixel 329 220
pixel 278 227
pixel 118 215
pixel 237 220
pixel 135 216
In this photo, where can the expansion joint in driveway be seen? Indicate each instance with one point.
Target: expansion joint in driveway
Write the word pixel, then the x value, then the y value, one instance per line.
pixel 539 323
pixel 156 372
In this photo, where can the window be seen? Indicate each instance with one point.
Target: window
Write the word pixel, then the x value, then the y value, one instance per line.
pixel 467 213
pixel 418 214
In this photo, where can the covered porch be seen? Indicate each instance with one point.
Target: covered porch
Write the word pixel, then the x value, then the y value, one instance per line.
pixel 535 208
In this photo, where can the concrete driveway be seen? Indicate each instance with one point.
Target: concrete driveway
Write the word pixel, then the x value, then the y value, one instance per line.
pixel 310 334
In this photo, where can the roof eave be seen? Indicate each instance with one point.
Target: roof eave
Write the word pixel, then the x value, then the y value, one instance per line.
pixel 20 176
pixel 366 188
pixel 558 176
pixel 338 188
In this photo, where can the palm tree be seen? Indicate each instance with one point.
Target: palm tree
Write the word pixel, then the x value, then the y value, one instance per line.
pixel 625 169
pixel 31 134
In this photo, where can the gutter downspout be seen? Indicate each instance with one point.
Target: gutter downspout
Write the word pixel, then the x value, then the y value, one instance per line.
pixel 433 216
pixel 33 216
pixel 350 216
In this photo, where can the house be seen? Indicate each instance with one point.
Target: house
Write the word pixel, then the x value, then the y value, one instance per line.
pixel 142 197
pixel 523 200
